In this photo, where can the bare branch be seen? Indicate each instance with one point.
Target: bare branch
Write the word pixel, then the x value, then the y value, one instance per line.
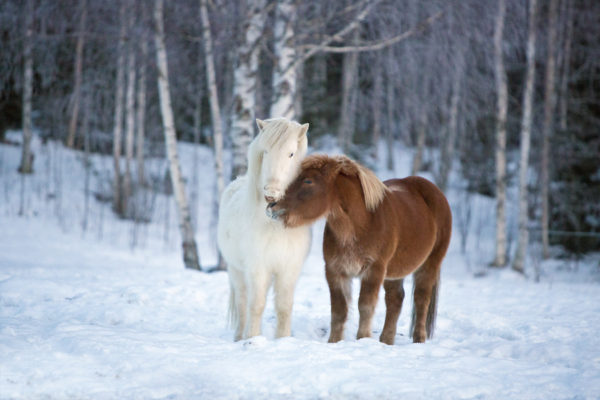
pixel 379 45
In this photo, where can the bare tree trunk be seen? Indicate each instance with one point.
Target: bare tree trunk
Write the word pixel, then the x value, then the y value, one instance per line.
pixel 521 254
pixel 376 103
pixel 549 105
pixel 450 140
pixel 284 74
pixel 78 68
pixel 391 125
pixel 214 110
pixel 190 251
pixel 26 165
pixel 118 122
pixel 564 84
pixel 390 96
pixel 244 86
pixel 130 112
pixel 502 104
pixel 421 136
pixel 141 110
pixel 349 97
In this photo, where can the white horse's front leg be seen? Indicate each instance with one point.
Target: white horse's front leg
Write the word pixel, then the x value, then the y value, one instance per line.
pixel 258 285
pixel 285 284
pixel 238 299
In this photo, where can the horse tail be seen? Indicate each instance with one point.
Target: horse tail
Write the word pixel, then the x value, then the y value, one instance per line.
pixel 431 310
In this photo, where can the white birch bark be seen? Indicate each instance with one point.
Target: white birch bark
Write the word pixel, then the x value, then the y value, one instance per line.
pixel 26 165
pixel 118 121
pixel 523 240
pixel 78 67
pixel 549 106
pixel 349 89
pixel 284 74
pixel 215 111
pixel 502 107
pixel 245 85
pixel 141 112
pixel 129 112
pixel 190 251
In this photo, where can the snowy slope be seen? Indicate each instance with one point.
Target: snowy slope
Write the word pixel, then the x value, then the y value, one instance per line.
pixel 84 317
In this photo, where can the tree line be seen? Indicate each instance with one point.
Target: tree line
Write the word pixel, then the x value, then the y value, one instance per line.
pixel 502 93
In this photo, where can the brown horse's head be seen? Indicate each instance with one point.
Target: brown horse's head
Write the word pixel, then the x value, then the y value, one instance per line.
pixel 314 192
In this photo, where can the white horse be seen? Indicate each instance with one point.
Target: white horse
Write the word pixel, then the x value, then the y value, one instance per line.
pixel 258 249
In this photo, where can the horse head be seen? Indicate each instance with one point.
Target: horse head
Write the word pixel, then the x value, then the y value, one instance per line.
pixel 315 191
pixel 279 149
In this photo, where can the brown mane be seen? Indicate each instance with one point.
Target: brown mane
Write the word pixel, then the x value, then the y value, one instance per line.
pixel 373 189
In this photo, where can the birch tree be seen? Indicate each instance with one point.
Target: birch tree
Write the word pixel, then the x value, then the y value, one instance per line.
pixel 129 110
pixel 78 69
pixel 190 251
pixel 245 85
pixel 549 106
pixel 284 74
pixel 26 165
pixel 118 113
pixel 215 111
pixel 502 107
pixel 141 109
pixel 521 254
pixel 349 94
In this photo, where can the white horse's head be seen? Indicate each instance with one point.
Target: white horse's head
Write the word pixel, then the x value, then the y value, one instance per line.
pixel 275 155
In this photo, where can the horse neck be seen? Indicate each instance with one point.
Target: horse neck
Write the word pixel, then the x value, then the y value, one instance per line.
pixel 349 217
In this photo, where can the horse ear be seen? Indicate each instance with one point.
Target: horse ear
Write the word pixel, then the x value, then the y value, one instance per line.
pixel 261 124
pixel 303 130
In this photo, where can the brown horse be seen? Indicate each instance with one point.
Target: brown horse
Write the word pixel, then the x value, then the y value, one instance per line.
pixel 378 231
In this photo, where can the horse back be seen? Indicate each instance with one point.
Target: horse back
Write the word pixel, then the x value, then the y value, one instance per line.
pixel 423 216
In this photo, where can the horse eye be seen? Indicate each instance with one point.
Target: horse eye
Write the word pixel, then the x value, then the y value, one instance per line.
pixel 307 181
pixel 291 155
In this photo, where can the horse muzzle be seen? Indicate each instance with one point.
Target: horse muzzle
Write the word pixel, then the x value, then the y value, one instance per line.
pixel 272 212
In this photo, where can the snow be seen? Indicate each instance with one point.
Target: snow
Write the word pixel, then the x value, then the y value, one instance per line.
pixel 88 316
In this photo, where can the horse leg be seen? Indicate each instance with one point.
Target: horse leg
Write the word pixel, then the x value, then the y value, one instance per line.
pixel 285 283
pixel 237 306
pixel 340 292
pixel 394 296
pixel 258 285
pixel 425 297
pixel 367 300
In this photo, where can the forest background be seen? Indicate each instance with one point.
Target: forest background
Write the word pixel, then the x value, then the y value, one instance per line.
pixel 487 95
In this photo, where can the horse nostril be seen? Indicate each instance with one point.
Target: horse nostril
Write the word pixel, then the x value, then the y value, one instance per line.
pixel 272 204
pixel 270 199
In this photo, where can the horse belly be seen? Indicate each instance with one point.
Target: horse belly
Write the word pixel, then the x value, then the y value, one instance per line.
pixel 413 248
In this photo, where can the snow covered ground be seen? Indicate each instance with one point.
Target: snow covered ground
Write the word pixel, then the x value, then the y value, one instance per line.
pixel 83 315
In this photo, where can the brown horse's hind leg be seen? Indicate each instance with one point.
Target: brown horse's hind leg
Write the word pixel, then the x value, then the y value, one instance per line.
pixel 394 296
pixel 369 292
pixel 426 283
pixel 340 291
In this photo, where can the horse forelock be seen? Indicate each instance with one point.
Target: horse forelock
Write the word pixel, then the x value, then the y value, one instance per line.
pixel 277 132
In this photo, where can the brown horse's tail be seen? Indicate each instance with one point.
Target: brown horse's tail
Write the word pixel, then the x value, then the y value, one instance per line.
pixel 431 311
